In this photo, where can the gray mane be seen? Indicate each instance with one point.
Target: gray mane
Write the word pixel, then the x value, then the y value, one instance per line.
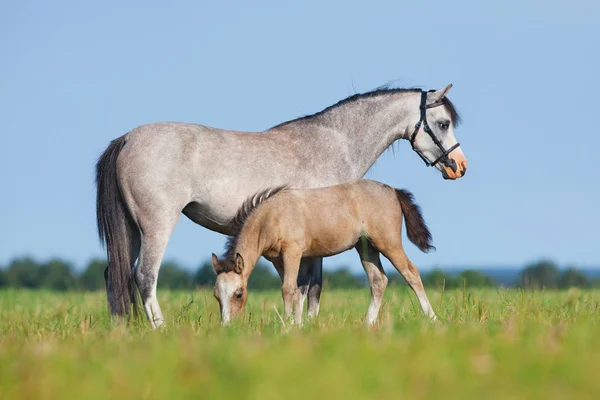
pixel 244 212
pixel 381 91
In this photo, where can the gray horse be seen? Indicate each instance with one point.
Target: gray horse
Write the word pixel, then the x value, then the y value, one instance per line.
pixel 149 176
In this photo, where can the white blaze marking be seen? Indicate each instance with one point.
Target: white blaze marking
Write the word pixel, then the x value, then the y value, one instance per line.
pixel 226 290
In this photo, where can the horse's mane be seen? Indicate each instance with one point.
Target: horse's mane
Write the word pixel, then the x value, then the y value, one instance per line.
pixel 244 212
pixel 380 91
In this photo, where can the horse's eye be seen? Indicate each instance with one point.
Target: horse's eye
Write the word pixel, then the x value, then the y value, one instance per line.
pixel 443 125
pixel 239 295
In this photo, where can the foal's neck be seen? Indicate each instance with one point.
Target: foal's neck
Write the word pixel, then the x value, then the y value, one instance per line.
pixel 250 250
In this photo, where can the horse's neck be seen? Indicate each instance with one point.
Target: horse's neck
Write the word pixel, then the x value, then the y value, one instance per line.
pixel 352 136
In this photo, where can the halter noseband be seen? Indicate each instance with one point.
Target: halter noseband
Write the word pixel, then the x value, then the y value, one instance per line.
pixel 423 108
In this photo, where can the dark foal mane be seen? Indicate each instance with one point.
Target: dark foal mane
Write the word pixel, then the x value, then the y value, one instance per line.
pixel 380 91
pixel 244 212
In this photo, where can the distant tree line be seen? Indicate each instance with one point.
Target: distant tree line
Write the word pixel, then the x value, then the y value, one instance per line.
pixel 60 275
pixel 545 274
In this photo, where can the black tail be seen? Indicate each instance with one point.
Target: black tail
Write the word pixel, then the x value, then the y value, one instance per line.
pixel 116 230
pixel 416 229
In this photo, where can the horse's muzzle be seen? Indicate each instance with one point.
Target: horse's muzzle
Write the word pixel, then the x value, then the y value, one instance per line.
pixel 451 169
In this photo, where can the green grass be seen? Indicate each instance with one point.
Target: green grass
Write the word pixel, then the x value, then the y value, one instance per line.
pixel 491 344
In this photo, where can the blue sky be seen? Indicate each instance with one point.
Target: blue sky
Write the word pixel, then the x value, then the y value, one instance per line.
pixel 75 75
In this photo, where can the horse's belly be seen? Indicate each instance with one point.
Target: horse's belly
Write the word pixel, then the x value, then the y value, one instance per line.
pixel 209 218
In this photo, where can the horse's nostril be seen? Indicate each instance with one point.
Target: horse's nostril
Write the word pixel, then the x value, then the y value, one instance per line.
pixel 450 163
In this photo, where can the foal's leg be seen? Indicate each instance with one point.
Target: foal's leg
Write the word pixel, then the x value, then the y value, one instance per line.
pixel 289 289
pixel 305 274
pixel 411 274
pixel 315 285
pixel 369 257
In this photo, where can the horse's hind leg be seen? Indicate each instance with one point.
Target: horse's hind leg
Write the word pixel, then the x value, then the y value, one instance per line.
pixel 411 274
pixel 315 285
pixel 154 241
pixel 369 256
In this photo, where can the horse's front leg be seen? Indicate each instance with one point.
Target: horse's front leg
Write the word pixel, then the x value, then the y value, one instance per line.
pixel 278 264
pixel 289 289
pixel 315 284
pixel 305 277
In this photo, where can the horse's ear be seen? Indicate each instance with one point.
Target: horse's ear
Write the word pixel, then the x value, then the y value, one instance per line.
pixel 216 264
pixel 239 264
pixel 438 95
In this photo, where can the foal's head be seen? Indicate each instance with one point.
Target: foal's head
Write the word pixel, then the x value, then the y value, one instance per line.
pixel 230 288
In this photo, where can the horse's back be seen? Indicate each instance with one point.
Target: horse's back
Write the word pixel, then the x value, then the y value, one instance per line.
pixel 165 135
pixel 164 165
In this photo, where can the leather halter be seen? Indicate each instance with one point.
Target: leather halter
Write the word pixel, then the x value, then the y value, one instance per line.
pixel 423 109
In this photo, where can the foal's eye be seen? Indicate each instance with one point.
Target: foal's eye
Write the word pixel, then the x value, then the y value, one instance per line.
pixel 239 295
pixel 444 125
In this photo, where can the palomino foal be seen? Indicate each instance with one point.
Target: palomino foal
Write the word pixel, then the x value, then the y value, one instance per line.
pixel 285 225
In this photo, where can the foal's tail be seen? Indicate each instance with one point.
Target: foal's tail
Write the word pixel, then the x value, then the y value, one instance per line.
pixel 116 231
pixel 416 229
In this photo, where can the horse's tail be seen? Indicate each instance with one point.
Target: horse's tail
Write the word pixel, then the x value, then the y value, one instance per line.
pixel 116 231
pixel 416 229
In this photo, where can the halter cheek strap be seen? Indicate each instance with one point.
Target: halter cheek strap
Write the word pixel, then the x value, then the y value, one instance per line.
pixel 423 121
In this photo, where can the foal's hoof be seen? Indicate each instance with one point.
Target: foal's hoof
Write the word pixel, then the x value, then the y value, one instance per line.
pixel 296 323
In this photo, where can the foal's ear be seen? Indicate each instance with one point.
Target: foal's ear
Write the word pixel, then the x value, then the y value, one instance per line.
pixel 438 95
pixel 239 264
pixel 216 264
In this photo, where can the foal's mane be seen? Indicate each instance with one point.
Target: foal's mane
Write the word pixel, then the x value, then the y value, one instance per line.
pixel 244 212
pixel 380 91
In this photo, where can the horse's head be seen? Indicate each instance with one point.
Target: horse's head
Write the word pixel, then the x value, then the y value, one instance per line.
pixel 433 136
pixel 230 288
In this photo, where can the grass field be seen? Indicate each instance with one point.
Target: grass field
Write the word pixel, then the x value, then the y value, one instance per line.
pixel 491 344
